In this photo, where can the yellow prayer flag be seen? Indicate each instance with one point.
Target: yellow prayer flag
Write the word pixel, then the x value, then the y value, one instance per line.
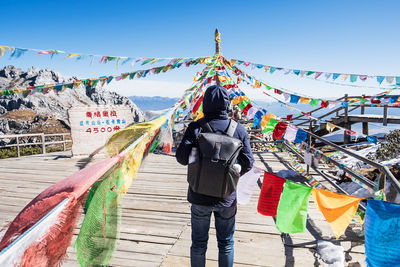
pixel 72 55
pixel 304 100
pixel 199 116
pixel 4 48
pixel 338 209
pixel 233 61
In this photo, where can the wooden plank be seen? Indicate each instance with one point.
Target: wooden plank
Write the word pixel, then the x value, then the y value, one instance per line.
pixel 155 224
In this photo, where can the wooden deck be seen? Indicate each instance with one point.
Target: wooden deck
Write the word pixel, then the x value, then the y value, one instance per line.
pixel 155 228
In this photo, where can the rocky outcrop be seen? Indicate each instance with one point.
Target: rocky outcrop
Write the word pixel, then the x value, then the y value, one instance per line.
pixel 50 106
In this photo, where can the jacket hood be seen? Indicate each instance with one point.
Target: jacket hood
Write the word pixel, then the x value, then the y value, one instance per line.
pixel 216 102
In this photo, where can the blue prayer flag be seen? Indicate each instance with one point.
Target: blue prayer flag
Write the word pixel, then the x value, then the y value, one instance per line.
pixel 257 118
pixel 294 99
pixel 301 136
pixel 382 228
pixel 372 139
pixel 380 79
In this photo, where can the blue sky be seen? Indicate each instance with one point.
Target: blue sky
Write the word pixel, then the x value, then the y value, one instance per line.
pixel 333 36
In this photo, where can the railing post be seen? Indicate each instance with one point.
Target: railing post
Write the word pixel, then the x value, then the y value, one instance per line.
pixel 385 114
pixel 365 129
pixel 64 145
pixel 18 152
pixel 43 144
pixel 346 137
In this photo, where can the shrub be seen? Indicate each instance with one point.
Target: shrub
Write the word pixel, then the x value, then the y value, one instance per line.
pixel 26 151
pixel 388 150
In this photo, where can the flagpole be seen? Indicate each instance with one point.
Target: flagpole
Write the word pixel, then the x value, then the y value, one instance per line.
pixel 217 48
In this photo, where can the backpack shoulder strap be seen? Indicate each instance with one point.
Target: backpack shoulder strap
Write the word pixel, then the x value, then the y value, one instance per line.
pixel 231 128
pixel 205 126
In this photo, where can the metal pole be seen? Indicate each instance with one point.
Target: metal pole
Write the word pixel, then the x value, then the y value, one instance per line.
pixel 346 137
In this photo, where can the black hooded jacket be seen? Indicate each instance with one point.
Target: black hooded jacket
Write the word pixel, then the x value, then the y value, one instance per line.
pixel 215 107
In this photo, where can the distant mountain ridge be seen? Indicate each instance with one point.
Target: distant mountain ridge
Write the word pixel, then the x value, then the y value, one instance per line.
pixel 146 103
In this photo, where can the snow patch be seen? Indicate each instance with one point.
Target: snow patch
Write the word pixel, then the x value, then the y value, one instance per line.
pixel 332 255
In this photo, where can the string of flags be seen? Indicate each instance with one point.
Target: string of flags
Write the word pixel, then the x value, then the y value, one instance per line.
pixel 269 123
pixel 17 52
pixel 379 99
pixel 351 77
pixel 329 126
pixel 59 87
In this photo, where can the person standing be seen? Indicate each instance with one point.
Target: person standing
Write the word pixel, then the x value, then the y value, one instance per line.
pixel 215 108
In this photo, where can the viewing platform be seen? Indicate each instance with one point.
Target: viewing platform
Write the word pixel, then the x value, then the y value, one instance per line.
pixel 155 225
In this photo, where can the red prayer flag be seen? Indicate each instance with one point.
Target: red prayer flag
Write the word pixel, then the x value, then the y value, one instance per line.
pixel 246 109
pixel 279 130
pixel 289 117
pixel 270 195
pixel 324 103
pixel 197 105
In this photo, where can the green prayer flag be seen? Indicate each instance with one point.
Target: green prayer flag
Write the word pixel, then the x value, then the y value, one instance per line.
pixel 243 104
pixel 291 216
pixel 314 102
pixel 270 126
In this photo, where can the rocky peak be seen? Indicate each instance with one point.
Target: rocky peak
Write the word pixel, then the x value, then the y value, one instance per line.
pixel 52 105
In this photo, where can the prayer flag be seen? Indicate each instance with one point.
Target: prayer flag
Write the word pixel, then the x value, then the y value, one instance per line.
pixel 314 102
pixel 324 103
pixel 270 126
pixel 294 99
pixel 301 136
pixel 257 118
pixel 246 184
pixel 338 209
pixel 292 211
pixel 197 105
pixel 362 77
pixel 290 134
pixel 304 100
pixel 286 96
pixel 380 79
pixel 251 112
pixel 246 108
pixel 353 78
pixel 279 130
pixel 270 194
pixel 382 228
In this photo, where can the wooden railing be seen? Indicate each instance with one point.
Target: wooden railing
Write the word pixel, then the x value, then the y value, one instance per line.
pixel 41 141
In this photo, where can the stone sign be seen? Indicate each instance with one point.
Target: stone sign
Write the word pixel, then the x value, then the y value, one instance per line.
pixel 91 126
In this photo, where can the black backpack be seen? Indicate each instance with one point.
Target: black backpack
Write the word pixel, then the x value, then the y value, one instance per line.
pixel 213 172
